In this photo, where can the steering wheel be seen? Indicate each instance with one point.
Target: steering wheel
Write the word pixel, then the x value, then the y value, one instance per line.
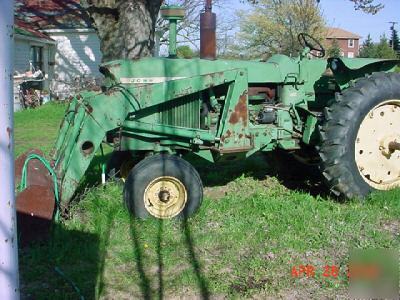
pixel 307 40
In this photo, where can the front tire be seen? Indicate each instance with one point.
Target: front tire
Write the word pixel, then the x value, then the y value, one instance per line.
pixel 164 187
pixel 355 137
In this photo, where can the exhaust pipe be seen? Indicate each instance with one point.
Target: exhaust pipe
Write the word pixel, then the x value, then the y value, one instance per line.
pixel 208 26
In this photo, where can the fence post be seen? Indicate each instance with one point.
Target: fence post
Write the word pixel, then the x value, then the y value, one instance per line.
pixel 9 279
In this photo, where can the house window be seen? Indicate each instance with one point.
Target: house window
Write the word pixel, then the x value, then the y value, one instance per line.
pixel 351 43
pixel 350 54
pixel 36 57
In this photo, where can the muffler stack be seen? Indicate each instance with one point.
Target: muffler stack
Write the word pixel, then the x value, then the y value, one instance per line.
pixel 208 26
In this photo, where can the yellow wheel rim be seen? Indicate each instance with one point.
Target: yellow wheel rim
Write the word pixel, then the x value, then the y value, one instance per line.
pixel 377 160
pixel 165 197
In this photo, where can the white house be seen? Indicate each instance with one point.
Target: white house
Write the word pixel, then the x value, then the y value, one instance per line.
pixel 32 46
pixel 68 49
pixel 77 57
pixel 32 50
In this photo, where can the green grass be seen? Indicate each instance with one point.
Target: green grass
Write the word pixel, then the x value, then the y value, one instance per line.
pixel 249 233
pixel 37 128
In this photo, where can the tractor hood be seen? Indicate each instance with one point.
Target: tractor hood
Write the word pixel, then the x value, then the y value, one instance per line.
pixel 156 70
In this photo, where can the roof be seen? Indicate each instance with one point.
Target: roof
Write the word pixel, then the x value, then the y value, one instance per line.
pixel 22 28
pixel 52 14
pixel 339 33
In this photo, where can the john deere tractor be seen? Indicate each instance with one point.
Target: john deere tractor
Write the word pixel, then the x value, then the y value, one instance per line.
pixel 154 111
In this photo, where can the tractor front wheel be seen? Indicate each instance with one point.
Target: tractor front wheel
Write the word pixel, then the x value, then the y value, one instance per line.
pixel 360 137
pixel 164 187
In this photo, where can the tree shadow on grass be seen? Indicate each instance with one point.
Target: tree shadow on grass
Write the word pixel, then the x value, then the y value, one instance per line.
pixel 138 251
pixel 145 284
pixel 194 261
pixel 102 253
pixel 221 173
pixel 290 173
pixel 78 256
pixel 74 253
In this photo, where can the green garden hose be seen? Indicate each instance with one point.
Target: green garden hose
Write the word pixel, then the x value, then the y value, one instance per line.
pixel 75 287
pixel 53 175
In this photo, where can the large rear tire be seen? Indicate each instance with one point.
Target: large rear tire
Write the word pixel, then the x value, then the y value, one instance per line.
pixel 357 154
pixel 164 187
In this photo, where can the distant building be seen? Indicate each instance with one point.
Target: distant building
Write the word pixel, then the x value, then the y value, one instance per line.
pixel 32 50
pixel 57 37
pixel 348 42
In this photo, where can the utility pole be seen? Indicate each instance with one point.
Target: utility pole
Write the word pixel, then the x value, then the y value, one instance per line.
pixel 393 23
pixel 9 278
pixel 392 29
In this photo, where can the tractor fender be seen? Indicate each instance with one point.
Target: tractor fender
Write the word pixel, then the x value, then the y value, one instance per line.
pixel 346 69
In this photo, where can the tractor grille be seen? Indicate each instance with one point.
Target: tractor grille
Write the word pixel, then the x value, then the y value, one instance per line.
pixel 184 112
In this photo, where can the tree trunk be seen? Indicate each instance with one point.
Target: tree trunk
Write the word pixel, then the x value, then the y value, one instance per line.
pixel 125 27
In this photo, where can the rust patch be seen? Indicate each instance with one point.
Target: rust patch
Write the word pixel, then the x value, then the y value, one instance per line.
pixel 227 135
pixel 95 88
pixel 267 91
pixel 240 112
pixel 35 207
pixel 89 108
pixel 9 132
pixel 109 92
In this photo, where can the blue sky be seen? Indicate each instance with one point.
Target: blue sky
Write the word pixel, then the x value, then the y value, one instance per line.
pixel 341 13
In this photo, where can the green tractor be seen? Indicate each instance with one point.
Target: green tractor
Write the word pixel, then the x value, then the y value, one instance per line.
pixel 154 111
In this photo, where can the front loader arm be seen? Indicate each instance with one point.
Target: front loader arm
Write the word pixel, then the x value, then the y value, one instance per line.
pixel 88 118
pixel 91 115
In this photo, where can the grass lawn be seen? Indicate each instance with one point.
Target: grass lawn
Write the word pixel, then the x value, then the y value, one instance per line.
pixel 37 128
pixel 251 230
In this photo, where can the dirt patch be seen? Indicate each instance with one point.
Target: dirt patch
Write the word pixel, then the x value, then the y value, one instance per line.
pixel 303 293
pixel 393 226
pixel 216 192
pixel 250 283
pixel 191 295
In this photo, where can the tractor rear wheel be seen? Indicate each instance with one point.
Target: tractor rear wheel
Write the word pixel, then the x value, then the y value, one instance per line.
pixel 360 137
pixel 164 187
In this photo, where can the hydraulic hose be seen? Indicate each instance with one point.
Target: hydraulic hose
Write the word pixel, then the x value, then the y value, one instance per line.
pixel 53 175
